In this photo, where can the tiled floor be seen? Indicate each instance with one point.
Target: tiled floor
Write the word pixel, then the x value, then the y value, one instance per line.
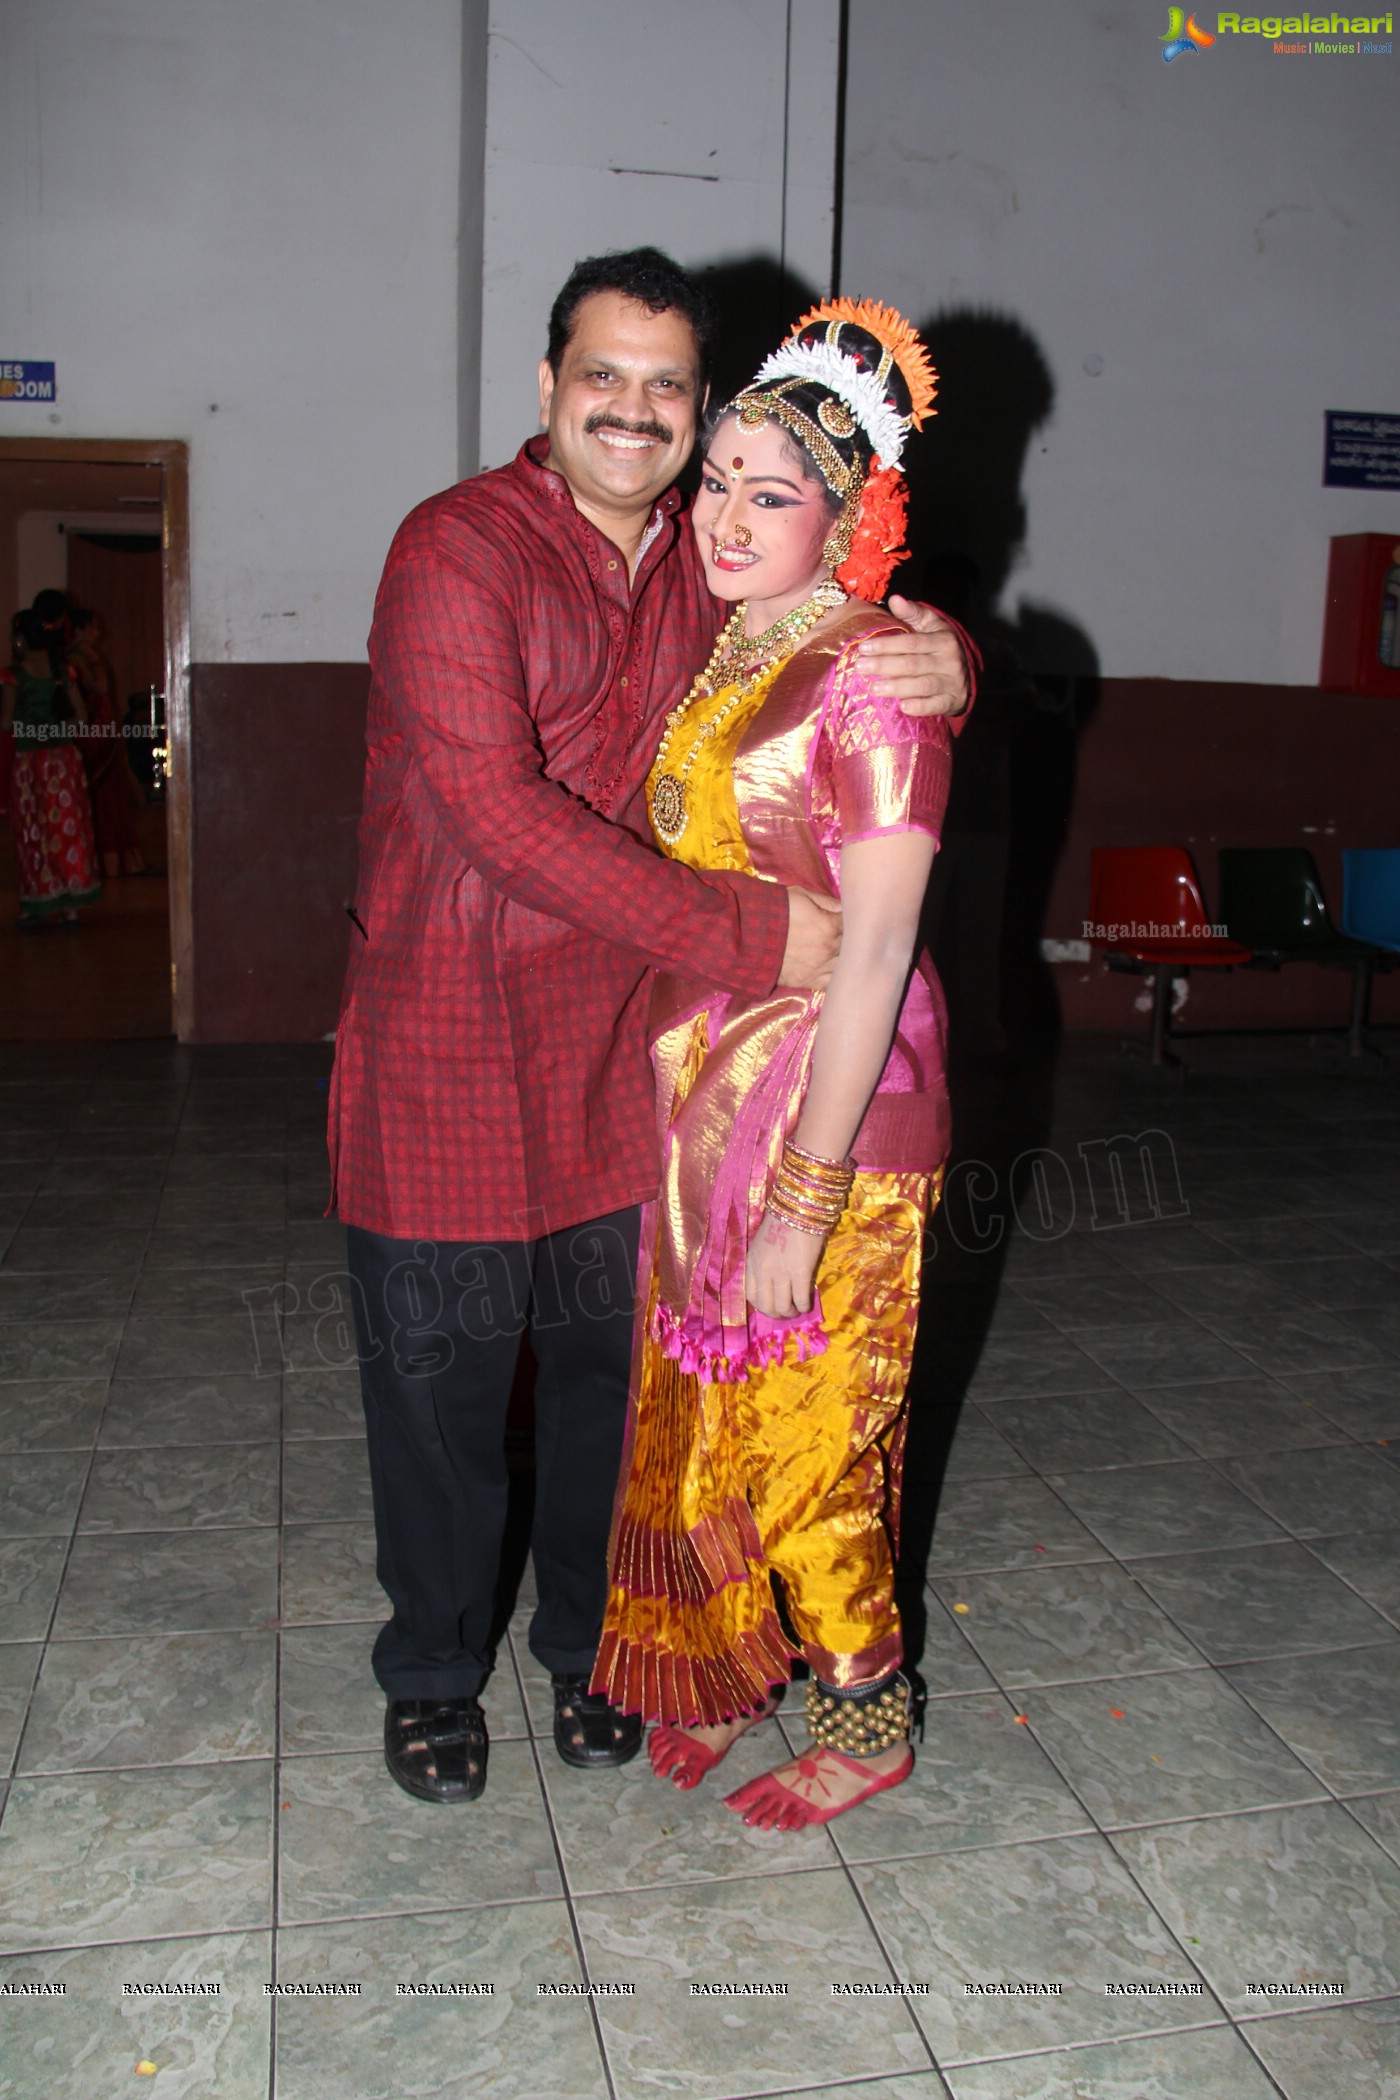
pixel 1161 1775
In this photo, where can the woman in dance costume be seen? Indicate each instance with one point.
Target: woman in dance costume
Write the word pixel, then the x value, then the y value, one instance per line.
pixel 804 1133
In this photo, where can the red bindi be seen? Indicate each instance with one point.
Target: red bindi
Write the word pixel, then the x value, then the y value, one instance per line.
pixel 736 464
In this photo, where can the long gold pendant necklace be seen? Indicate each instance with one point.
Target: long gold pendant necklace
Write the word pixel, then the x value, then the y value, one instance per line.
pixel 736 660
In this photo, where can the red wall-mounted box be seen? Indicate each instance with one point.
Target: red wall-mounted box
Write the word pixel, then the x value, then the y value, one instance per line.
pixel 1351 633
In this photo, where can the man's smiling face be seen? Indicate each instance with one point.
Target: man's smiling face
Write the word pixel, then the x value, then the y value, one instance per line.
pixel 622 411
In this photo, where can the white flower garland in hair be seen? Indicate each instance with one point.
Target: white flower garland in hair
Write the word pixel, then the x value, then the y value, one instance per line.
pixel 862 392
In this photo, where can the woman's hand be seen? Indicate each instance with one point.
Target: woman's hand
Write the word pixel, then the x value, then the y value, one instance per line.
pixel 781 1267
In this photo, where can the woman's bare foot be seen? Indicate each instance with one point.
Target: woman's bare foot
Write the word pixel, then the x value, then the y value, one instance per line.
pixel 817 1787
pixel 685 1755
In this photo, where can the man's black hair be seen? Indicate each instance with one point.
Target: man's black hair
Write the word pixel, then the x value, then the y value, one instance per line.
pixel 643 274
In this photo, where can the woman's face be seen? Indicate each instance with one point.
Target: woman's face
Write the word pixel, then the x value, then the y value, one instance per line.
pixel 760 523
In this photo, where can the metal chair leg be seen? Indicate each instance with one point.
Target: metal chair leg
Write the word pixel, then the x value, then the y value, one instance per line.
pixel 1161 1017
pixel 1360 1003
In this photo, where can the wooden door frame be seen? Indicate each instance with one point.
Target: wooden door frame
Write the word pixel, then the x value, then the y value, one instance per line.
pixel 172 456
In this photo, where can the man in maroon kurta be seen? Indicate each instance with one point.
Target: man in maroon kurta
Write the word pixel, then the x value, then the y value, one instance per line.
pixel 492 1126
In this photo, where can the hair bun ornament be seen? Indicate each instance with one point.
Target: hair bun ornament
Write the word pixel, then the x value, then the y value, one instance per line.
pixel 854 348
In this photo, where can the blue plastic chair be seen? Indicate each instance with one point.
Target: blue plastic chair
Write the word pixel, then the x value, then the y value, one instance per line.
pixel 1371 895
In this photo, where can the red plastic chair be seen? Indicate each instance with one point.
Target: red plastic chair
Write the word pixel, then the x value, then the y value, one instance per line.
pixel 1148 915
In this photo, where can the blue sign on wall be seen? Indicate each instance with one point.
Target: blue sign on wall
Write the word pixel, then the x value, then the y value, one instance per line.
pixel 1363 451
pixel 21 379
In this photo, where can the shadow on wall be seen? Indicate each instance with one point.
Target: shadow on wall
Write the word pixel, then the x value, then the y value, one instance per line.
pixel 1007 819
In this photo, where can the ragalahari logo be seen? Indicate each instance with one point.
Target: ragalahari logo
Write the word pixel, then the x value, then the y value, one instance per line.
pixel 1184 33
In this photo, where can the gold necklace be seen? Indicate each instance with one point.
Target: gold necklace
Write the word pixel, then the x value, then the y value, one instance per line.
pixel 739 661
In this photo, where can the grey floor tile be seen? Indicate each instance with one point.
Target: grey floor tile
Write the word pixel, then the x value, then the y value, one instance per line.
pixel 1308 1341
pixel 1277 1240
pixel 1163 1245
pixel 1340 1712
pixel 57 1415
pixel 174 1487
pixel 1364 1402
pixel 1350 2054
pixel 320 1341
pixel 63 1214
pixel 30 1572
pixel 328 1575
pixel 805 1930
pixel 1288 1896
pixel 352 1844
pixel 1337 1489
pixel 1377 1326
pixel 327 1480
pixel 1151 1749
pixel 191 1411
pixel 910 2085
pixel 91 1294
pixel 141 1854
pixel 19 1666
pixel 1028 1365
pixel 947 1660
pixel 1226 1289
pixel 1006 1524
pixel 979 1778
pixel 323 1403
pixel 212 1346
pixel 1012 1317
pixel 1175 1352
pixel 1370 1562
pixel 1064 1913
pixel 1210 2064
pixel 169 1582
pixel 262 1210
pixel 629 1830
pixel 1163 1509
pixel 1240 1415
pixel 1110 1299
pixel 88 2043
pixel 40 1492
pixel 164 1699
pixel 1061 1625
pixel 1337 1282
pixel 979 1452
pixel 312 1239
pixel 1379 1816
pixel 180 1294
pixel 60 1349
pixel 212 1246
pixel 114 1249
pixel 1091 1429
pixel 1246 1602
pixel 513 2044
pixel 81 1173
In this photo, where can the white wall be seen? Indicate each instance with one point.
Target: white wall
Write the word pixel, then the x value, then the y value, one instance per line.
pixel 700 108
pixel 254 204
pixel 1219 231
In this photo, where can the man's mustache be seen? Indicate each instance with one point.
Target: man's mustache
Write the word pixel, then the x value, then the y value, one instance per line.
pixel 601 420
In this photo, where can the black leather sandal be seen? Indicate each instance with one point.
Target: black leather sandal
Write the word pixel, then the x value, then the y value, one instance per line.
pixel 436 1748
pixel 588 1732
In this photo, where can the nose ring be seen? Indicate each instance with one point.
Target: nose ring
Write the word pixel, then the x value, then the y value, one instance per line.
pixel 742 536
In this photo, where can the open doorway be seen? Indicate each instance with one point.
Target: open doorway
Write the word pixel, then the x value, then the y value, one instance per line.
pixel 104 524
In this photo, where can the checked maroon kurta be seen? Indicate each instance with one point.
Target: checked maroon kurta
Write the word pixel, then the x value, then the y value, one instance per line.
pixel 491 1075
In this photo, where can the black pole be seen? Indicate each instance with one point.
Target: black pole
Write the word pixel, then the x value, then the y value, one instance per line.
pixel 838 181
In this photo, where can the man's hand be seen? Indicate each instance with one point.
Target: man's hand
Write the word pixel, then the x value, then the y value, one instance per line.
pixel 924 670
pixel 813 942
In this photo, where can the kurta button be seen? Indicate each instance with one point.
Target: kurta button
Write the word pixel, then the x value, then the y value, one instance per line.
pixel 624 681
pixel 612 564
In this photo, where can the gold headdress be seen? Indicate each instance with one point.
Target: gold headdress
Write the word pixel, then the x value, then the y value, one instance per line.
pixel 849 351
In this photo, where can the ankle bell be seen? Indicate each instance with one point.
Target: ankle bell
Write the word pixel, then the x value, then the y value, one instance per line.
pixel 860 1723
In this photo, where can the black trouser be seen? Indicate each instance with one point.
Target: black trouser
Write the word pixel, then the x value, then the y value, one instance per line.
pixel 439 1325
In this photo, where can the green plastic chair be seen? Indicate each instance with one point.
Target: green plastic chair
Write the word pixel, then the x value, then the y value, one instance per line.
pixel 1271 898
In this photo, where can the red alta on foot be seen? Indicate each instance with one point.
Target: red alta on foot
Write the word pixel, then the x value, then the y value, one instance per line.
pixel 766 1804
pixel 685 1760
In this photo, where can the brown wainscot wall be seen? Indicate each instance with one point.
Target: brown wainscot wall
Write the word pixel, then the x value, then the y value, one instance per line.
pixel 278 755
pixel 278 765
pixel 1160 762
